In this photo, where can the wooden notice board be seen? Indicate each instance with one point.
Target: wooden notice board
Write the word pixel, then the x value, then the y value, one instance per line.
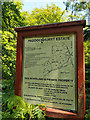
pixel 50 68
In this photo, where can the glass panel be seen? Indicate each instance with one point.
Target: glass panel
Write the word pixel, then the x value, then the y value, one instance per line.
pixel 49 71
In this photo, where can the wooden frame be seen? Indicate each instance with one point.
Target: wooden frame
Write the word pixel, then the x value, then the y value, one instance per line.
pixel 54 29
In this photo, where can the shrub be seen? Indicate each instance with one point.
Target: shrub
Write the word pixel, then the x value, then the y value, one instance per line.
pixel 8 55
pixel 15 107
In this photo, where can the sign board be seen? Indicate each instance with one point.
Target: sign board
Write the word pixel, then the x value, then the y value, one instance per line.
pixel 50 68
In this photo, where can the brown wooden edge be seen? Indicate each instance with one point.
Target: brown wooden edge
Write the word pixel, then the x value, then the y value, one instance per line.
pixel 56 29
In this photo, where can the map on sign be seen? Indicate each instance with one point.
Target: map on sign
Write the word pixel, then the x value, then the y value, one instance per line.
pixel 61 57
pixel 49 71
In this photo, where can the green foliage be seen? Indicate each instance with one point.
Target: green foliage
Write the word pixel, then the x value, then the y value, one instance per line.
pixel 76 9
pixel 8 62
pixel 87 77
pixel 15 107
pixel 8 55
pixel 87 116
pixel 11 16
pixel 50 14
pixel 35 112
pixel 87 52
pixel 86 33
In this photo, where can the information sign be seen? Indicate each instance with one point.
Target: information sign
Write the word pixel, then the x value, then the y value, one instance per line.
pixel 50 68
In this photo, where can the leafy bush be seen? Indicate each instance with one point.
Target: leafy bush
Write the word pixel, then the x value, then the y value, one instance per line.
pixel 15 107
pixel 87 77
pixel 87 53
pixel 8 55
pixel 87 116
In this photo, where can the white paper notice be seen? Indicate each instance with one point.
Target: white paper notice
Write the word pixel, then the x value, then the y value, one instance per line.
pixel 49 71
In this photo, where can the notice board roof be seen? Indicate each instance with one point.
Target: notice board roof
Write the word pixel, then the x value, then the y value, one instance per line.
pixel 54 25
